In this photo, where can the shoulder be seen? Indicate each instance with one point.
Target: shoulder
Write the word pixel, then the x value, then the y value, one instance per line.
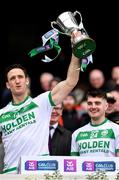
pixel 5 109
pixel 42 95
pixel 46 95
pixel 64 130
pixel 82 129
pixel 113 125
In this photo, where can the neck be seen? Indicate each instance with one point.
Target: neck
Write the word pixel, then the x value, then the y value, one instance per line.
pixel 19 99
pixel 97 121
pixel 53 123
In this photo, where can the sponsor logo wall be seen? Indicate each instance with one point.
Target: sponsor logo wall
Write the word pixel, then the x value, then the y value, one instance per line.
pixel 67 164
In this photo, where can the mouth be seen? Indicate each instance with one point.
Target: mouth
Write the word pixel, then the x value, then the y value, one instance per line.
pixel 18 86
pixel 93 111
pixel 53 115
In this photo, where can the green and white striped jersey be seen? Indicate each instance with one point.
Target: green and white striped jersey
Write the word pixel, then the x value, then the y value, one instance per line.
pixel 96 140
pixel 25 129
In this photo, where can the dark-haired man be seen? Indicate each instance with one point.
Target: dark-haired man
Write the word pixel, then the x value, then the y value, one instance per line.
pixel 113 106
pixel 100 137
pixel 24 122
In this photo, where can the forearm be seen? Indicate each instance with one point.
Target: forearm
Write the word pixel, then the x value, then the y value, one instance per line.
pixel 62 89
pixel 73 73
pixel 117 154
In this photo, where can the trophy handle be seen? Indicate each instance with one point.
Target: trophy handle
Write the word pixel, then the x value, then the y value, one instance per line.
pixel 52 25
pixel 81 23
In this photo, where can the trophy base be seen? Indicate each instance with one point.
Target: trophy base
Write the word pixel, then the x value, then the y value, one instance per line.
pixel 84 48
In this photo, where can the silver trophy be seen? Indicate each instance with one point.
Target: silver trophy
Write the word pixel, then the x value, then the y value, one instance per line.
pixel 83 45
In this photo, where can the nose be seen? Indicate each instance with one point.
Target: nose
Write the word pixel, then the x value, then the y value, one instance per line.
pixel 93 105
pixel 17 80
pixel 53 110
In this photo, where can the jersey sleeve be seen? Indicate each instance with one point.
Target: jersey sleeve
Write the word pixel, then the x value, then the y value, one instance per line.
pixel 74 146
pixel 50 99
pixel 117 144
pixel 45 98
pixel 0 129
pixel 45 106
pixel 0 121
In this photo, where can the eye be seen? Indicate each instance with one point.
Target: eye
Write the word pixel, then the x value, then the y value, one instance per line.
pixel 20 76
pixel 57 108
pixel 97 103
pixel 89 103
pixel 12 78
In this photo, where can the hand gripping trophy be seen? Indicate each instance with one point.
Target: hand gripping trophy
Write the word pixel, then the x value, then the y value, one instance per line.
pixel 83 46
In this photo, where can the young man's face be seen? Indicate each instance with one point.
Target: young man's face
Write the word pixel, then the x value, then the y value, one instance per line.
pixel 96 107
pixel 17 82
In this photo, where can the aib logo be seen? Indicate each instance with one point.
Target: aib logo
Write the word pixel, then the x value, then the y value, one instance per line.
pixel 99 166
pixel 88 166
pixel 31 165
pixel 69 165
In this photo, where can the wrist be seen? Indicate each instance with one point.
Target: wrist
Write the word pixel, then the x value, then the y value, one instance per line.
pixel 74 57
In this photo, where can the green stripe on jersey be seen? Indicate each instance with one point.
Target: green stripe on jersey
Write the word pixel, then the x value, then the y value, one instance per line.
pixel 10 170
pixel 74 153
pixel 10 115
pixel 50 99
pixel 95 125
pixel 117 150
pixel 95 134
pixel 20 102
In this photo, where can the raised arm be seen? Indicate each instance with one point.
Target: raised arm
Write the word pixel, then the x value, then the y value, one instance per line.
pixel 0 138
pixel 117 154
pixel 62 89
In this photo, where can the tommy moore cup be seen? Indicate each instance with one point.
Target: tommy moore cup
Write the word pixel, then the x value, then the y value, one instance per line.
pixel 83 45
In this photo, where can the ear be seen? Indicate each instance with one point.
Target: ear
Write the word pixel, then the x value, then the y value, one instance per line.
pixel 106 106
pixel 27 81
pixel 7 85
pixel 61 112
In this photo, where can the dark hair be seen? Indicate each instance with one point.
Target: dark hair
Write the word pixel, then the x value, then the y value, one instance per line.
pixel 14 66
pixel 116 88
pixel 111 100
pixel 97 93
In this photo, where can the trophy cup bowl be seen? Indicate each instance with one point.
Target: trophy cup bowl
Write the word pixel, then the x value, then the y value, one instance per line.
pixel 83 45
